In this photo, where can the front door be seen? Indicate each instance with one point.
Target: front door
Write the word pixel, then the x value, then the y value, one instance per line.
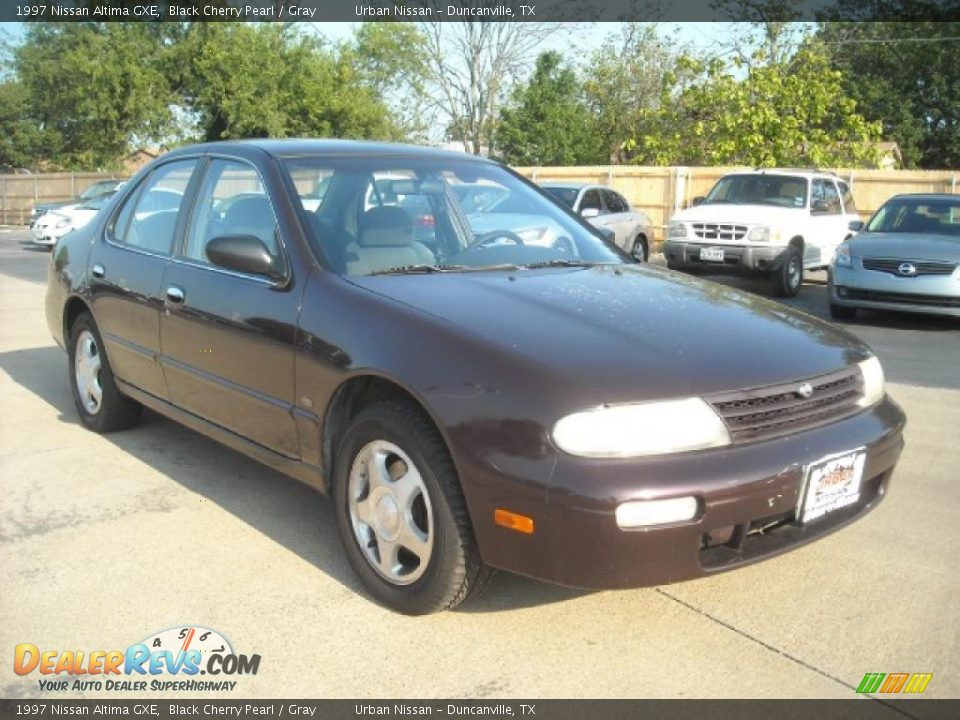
pixel 828 224
pixel 126 271
pixel 228 337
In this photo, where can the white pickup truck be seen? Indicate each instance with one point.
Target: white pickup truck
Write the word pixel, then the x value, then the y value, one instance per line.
pixel 776 222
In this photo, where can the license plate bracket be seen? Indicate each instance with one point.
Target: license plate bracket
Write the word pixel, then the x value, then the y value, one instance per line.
pixel 831 483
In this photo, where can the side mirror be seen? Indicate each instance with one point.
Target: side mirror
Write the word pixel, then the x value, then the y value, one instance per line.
pixel 608 234
pixel 242 253
pixel 698 200
pixel 588 213
pixel 856 225
pixel 819 207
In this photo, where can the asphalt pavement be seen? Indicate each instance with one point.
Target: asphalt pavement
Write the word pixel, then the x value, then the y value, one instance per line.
pixel 105 540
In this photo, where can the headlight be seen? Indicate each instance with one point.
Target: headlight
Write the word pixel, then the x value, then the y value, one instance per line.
pixel 653 428
pixel 763 233
pixel 873 383
pixel 62 224
pixel 842 256
pixel 677 230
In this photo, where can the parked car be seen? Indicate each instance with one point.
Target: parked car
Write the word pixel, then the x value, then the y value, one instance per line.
pixel 54 224
pixel 101 187
pixel 774 223
pixel 608 210
pixel 564 413
pixel 906 258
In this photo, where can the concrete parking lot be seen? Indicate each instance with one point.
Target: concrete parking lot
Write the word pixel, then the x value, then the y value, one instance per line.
pixel 105 540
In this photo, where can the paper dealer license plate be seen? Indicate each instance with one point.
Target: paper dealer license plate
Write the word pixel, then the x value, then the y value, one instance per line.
pixel 832 483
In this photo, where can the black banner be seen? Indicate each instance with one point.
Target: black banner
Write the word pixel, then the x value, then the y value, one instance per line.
pixel 467 10
pixel 854 709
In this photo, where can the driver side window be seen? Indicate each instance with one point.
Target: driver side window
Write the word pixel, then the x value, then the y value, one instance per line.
pixel 231 201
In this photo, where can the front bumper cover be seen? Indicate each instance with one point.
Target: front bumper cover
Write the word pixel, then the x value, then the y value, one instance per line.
pixel 737 259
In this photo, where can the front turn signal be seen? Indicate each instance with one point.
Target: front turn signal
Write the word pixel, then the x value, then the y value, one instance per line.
pixel 513 521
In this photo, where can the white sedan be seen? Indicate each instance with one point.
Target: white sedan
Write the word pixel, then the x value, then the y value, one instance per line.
pixel 608 210
pixel 54 224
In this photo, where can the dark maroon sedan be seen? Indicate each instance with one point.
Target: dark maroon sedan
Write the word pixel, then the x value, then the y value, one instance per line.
pixel 528 399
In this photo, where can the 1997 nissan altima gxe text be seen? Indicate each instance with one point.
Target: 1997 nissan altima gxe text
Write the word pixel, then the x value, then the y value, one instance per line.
pixel 470 401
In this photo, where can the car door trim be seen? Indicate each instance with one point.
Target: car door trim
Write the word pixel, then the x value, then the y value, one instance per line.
pixel 214 379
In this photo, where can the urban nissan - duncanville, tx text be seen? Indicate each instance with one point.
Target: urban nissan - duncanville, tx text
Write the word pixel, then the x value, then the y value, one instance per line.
pixel 469 400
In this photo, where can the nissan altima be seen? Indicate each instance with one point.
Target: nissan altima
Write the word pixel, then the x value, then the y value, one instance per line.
pixel 906 258
pixel 469 400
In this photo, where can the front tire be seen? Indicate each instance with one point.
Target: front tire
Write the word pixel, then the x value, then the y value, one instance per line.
pixel 401 515
pixel 787 279
pixel 640 251
pixel 101 406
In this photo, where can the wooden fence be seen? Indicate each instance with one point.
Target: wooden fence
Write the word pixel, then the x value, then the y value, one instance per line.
pixel 662 191
pixel 19 193
pixel 658 191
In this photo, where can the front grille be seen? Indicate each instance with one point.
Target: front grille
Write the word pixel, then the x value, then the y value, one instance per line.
pixel 719 231
pixel 944 301
pixel 923 267
pixel 778 410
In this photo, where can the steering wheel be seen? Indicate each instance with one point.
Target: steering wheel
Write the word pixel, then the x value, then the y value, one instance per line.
pixel 486 237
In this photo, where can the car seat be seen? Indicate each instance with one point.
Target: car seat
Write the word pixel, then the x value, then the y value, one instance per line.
pixel 384 241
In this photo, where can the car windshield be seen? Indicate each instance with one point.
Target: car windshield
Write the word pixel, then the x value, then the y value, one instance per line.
pixel 755 189
pixel 98 202
pixel 917 215
pixel 566 195
pixel 391 215
pixel 96 190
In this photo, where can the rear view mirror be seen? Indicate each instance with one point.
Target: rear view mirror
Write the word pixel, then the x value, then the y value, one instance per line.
pixel 588 213
pixel 819 207
pixel 241 253
pixel 698 200
pixel 856 225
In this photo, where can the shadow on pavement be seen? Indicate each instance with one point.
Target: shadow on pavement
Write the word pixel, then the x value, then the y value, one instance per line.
pixel 286 511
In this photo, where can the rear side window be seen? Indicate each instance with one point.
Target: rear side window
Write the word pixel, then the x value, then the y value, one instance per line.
pixel 231 201
pixel 148 218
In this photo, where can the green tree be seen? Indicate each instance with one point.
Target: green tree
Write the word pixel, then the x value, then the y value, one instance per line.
pixel 624 80
pixel 93 89
pixel 272 81
pixel 792 114
pixel 905 75
pixel 547 122
pixel 21 139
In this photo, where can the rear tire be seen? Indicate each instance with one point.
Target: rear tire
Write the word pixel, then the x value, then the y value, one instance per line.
pixel 787 279
pixel 401 515
pixel 841 312
pixel 101 406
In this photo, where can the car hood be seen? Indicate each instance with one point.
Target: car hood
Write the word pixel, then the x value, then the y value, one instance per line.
pixel 906 246
pixel 630 332
pixel 749 214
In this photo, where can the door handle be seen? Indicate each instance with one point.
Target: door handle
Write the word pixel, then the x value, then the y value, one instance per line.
pixel 98 270
pixel 175 295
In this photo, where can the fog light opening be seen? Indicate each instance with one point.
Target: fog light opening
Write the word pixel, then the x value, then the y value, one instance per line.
pixel 842 292
pixel 650 513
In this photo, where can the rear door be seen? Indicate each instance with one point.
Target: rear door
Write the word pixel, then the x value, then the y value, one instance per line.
pixel 619 218
pixel 228 337
pixel 126 272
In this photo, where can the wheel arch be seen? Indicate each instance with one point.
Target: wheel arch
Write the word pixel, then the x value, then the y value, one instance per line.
pixel 353 395
pixel 73 308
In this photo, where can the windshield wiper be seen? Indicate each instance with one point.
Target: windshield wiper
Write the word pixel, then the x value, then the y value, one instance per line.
pixel 559 263
pixel 422 269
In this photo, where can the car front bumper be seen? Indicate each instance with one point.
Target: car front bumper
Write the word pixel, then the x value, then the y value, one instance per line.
pixel 740 489
pixel 929 294
pixel 737 259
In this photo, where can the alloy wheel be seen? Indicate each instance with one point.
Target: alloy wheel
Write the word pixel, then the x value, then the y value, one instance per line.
pixel 87 364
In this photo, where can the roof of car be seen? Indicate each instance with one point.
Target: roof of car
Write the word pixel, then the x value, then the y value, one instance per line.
pixel 571 185
pixel 304 146
pixel 927 196
pixel 805 172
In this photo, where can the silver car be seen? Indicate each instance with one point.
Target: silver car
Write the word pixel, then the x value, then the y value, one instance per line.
pixel 906 258
pixel 608 210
